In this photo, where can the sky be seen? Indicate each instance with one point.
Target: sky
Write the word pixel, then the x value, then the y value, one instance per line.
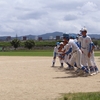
pixel 35 17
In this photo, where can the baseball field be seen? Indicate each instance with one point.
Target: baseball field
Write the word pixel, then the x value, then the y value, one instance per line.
pixel 33 78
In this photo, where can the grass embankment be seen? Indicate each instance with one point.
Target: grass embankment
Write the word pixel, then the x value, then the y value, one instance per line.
pixel 27 53
pixel 81 96
pixel 33 53
pixel 97 53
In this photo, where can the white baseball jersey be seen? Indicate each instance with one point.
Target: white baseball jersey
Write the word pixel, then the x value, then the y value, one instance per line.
pixel 55 49
pixel 65 49
pixel 73 45
pixel 55 52
pixel 76 54
pixel 85 41
pixel 85 44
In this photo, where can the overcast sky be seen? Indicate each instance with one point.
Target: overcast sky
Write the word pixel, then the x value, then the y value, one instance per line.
pixel 23 17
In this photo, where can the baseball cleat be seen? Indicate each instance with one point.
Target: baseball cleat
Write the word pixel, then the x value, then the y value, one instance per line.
pixel 87 74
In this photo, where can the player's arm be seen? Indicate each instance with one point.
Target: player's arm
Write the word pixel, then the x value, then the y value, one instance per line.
pixel 93 46
pixel 68 49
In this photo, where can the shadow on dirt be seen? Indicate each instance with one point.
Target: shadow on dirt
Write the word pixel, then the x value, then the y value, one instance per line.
pixel 70 73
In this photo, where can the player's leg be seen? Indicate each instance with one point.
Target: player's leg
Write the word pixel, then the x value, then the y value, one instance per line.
pixel 79 65
pixel 61 59
pixel 83 60
pixel 66 60
pixel 54 59
pixel 71 61
pixel 90 64
pixel 96 70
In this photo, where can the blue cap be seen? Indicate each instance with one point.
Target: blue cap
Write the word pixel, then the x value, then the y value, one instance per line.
pixel 73 37
pixel 66 36
pixel 57 43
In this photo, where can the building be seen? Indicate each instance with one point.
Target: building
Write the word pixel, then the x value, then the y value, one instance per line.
pixel 36 38
pixel 51 37
pixel 24 38
pixel 57 37
pixel 40 38
pixel 8 38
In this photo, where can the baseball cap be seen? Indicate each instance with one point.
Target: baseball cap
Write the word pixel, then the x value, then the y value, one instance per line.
pixel 83 30
pixel 73 37
pixel 57 43
pixel 66 36
pixel 61 43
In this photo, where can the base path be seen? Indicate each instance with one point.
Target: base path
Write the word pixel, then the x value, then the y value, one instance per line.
pixel 33 78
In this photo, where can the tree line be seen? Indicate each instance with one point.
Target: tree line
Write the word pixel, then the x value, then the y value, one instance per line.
pixel 29 44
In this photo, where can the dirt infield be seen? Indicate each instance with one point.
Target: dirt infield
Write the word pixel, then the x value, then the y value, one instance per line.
pixel 33 78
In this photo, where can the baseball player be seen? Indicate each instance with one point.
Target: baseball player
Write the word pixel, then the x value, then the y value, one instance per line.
pixel 95 68
pixel 55 53
pixel 67 57
pixel 85 43
pixel 76 54
pixel 58 54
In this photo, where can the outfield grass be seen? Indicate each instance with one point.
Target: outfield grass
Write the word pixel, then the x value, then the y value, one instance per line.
pixel 97 53
pixel 33 53
pixel 81 96
pixel 26 53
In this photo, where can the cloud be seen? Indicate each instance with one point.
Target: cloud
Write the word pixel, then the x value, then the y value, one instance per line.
pixel 5 28
pixel 63 6
pixel 69 17
pixel 88 7
pixel 43 16
pixel 32 15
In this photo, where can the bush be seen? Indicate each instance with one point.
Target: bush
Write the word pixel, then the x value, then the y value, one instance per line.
pixel 15 43
pixel 29 44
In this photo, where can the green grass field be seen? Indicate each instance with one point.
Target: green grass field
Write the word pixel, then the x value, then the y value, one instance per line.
pixel 81 96
pixel 36 53
pixel 32 53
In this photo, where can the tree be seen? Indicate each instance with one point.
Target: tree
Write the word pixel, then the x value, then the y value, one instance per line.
pixel 95 42
pixel 15 43
pixel 29 44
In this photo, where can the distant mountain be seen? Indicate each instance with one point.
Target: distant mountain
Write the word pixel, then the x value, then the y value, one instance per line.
pixel 54 34
pixel 3 38
pixel 96 36
pixel 48 35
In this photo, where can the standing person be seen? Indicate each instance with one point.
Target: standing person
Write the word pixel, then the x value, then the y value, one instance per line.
pixel 96 70
pixel 55 53
pixel 85 45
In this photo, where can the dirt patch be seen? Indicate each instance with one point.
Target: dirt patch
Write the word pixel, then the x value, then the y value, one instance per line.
pixel 33 78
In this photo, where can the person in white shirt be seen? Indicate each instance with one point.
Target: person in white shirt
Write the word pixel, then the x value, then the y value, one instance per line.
pixel 95 68
pixel 76 54
pixel 85 43
pixel 56 53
